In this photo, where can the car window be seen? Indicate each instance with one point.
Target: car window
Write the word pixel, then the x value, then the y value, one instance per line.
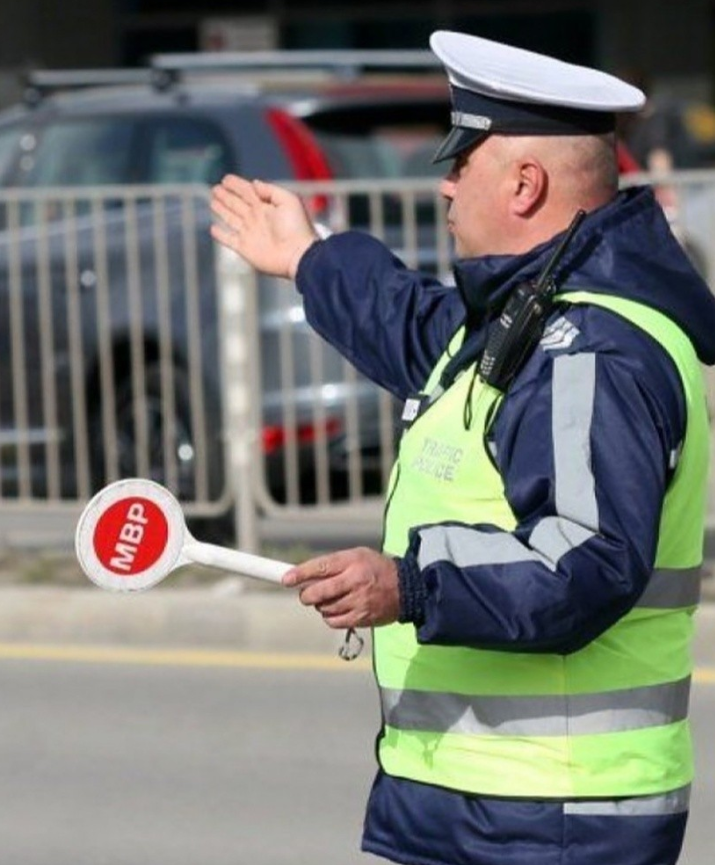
pixel 79 152
pixel 9 143
pixel 391 140
pixel 186 150
pixel 389 151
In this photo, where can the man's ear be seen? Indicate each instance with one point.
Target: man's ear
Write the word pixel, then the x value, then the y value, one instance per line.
pixel 530 186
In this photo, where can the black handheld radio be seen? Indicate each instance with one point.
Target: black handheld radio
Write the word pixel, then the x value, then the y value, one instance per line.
pixel 513 335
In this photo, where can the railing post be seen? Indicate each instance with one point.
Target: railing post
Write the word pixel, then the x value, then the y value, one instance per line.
pixel 237 328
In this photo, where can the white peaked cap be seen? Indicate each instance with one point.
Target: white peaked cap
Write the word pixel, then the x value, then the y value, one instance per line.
pixel 498 88
pixel 505 72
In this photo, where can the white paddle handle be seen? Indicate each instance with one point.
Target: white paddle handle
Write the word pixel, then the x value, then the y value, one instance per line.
pixel 214 556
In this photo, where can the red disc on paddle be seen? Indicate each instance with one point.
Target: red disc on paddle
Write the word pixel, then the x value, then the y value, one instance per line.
pixel 130 536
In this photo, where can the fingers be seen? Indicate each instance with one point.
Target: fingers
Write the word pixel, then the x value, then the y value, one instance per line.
pixel 264 223
pixel 350 588
pixel 241 221
pixel 254 190
pixel 316 569
pixel 226 237
pixel 235 194
pixel 336 599
pixel 229 232
pixel 343 622
pixel 269 193
pixel 322 582
pixel 239 187
pixel 233 208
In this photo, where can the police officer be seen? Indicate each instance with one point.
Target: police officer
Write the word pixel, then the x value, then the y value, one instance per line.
pixel 533 601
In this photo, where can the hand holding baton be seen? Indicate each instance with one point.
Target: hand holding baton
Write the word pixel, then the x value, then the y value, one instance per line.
pixel 132 535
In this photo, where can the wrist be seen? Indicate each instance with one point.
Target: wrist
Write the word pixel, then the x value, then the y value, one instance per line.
pixel 297 254
pixel 412 592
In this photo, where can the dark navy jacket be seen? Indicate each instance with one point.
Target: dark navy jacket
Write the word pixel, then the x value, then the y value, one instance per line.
pixel 394 324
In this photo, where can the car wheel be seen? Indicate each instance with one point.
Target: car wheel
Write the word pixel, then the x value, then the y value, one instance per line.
pixel 182 457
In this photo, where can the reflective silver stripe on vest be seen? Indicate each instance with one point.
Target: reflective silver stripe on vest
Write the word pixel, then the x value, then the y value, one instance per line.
pixel 670 588
pixel 576 714
pixel 674 802
pixel 573 394
pixel 553 537
pixel 468 547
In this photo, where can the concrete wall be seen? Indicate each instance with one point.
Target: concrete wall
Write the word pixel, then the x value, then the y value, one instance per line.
pixel 671 43
pixel 53 34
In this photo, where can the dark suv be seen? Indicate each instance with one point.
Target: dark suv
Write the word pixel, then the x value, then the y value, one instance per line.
pixel 175 131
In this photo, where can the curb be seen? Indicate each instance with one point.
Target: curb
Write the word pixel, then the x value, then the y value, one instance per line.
pixel 223 616
pixel 268 621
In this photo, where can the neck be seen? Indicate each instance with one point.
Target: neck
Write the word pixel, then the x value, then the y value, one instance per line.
pixel 542 226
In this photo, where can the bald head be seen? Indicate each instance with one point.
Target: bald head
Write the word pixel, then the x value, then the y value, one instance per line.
pixel 582 170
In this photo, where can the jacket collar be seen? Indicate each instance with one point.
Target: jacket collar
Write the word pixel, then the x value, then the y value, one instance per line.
pixel 606 255
pixel 485 282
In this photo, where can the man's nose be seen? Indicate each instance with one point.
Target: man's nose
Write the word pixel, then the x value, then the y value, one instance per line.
pixel 446 186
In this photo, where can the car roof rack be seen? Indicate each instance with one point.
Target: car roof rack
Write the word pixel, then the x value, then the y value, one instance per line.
pixel 39 83
pixel 163 71
pixel 344 63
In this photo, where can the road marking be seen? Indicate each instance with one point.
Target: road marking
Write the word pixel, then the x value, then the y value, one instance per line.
pixel 179 657
pixel 210 658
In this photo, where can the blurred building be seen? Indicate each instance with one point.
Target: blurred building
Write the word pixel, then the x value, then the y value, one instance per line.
pixel 671 42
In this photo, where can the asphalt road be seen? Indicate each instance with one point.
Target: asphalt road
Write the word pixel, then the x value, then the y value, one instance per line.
pixel 180 759
pixel 176 764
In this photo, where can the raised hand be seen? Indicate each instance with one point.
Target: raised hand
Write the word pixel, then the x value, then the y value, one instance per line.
pixel 264 223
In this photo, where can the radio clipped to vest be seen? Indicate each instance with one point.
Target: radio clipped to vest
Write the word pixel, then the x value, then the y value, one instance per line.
pixel 512 337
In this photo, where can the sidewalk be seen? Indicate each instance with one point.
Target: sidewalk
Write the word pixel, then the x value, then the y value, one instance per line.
pixel 230 614
pixel 222 616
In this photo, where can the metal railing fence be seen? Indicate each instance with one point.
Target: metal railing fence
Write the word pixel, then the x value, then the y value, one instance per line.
pixel 108 344
pixel 337 431
pixel 123 353
pixel 131 345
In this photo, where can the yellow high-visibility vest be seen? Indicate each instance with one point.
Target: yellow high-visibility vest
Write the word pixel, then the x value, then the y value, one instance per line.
pixel 609 720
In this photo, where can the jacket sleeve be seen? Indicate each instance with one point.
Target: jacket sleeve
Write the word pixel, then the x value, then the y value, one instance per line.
pixel 390 322
pixel 584 444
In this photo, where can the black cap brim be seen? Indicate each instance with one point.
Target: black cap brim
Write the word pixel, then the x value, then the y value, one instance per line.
pixel 460 138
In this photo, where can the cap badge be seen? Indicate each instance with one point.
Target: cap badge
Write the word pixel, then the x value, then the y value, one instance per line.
pixel 471 121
